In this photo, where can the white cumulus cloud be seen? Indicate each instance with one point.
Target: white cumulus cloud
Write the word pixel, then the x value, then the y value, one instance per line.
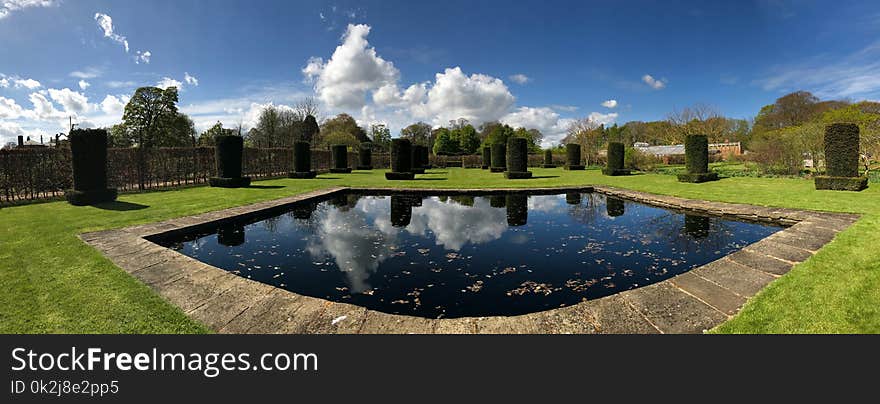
pixel 610 104
pixel 72 101
pixel 113 105
pixel 83 84
pixel 657 84
pixel 353 70
pixel 143 57
pixel 9 109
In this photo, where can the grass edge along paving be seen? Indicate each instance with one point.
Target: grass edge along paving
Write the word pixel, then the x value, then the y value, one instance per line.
pixel 55 283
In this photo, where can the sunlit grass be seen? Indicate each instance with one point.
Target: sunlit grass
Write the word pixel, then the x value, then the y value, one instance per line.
pixel 54 283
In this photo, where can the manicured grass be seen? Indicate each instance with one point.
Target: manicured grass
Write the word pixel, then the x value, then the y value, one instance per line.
pixel 54 283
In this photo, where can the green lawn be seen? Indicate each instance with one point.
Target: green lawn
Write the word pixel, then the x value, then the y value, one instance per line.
pixel 54 283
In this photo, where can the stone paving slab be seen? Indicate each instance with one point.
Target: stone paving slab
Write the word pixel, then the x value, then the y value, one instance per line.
pixel 688 303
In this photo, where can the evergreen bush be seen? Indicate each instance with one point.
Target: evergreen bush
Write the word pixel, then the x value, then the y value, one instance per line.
pixel 517 159
pixel 499 158
pixel 842 159
pixel 88 149
pixel 401 160
pixel 615 165
pixel 365 156
pixel 573 157
pixel 340 159
pixel 302 161
pixel 548 159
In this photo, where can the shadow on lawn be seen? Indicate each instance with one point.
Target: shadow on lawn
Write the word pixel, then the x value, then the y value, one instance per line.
pixel 544 176
pixel 267 186
pixel 120 206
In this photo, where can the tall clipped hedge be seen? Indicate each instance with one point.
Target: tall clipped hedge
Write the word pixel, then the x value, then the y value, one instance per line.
pixel 401 160
pixel 340 159
pixel 499 158
pixel 696 156
pixel 418 164
pixel 89 159
pixel 517 209
pixel 487 157
pixel 548 159
pixel 842 159
pixel 426 157
pixel 365 156
pixel 302 161
pixel 517 158
pixel 573 157
pixel 228 151
pixel 615 165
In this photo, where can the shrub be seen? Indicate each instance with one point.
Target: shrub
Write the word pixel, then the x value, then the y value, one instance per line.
pixel 841 183
pixel 89 159
pixel 401 160
pixel 517 208
pixel 615 164
pixel 365 156
pixel 302 161
pixel 340 159
pixel 517 158
pixel 573 157
pixel 418 165
pixel 499 158
pixel 548 159
pixel 487 157
pixel 696 150
pixel 842 150
pixel 228 151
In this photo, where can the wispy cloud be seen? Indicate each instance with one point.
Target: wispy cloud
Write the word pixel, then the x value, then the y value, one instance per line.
pixel 830 76
pixel 520 78
pixel 8 6
pixel 657 84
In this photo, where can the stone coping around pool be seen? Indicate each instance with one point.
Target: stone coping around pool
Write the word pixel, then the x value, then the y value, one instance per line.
pixel 692 302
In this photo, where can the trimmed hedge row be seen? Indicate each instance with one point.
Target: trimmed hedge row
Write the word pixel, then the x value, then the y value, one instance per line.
pixel 418 165
pixel 487 157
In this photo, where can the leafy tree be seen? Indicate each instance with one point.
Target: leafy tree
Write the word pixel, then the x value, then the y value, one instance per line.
pixel 468 139
pixel 207 137
pixel 179 131
pixel 381 137
pixel 444 143
pixel 496 133
pixel 118 136
pixel 419 133
pixel 344 123
pixel 339 137
pixel 148 112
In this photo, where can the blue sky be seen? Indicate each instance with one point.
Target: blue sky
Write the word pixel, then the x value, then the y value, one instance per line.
pixel 536 64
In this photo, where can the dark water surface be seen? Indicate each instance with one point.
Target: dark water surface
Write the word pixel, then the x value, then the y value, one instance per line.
pixel 458 256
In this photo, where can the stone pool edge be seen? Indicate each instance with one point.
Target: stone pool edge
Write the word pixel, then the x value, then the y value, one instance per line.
pixel 692 302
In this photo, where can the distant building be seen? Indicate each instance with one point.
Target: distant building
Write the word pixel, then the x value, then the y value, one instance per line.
pixel 665 153
pixel 28 143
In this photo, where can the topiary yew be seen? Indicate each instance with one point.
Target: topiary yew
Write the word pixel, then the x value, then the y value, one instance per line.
pixel 228 151
pixel 487 157
pixel 365 156
pixel 696 154
pixel 499 158
pixel 401 160
pixel 302 161
pixel 842 159
pixel 615 166
pixel 573 157
pixel 418 166
pixel 614 207
pixel 517 159
pixel 548 159
pixel 340 159
pixel 88 149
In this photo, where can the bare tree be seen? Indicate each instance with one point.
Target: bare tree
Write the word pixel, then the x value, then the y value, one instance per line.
pixel 700 119
pixel 305 107
pixel 589 135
